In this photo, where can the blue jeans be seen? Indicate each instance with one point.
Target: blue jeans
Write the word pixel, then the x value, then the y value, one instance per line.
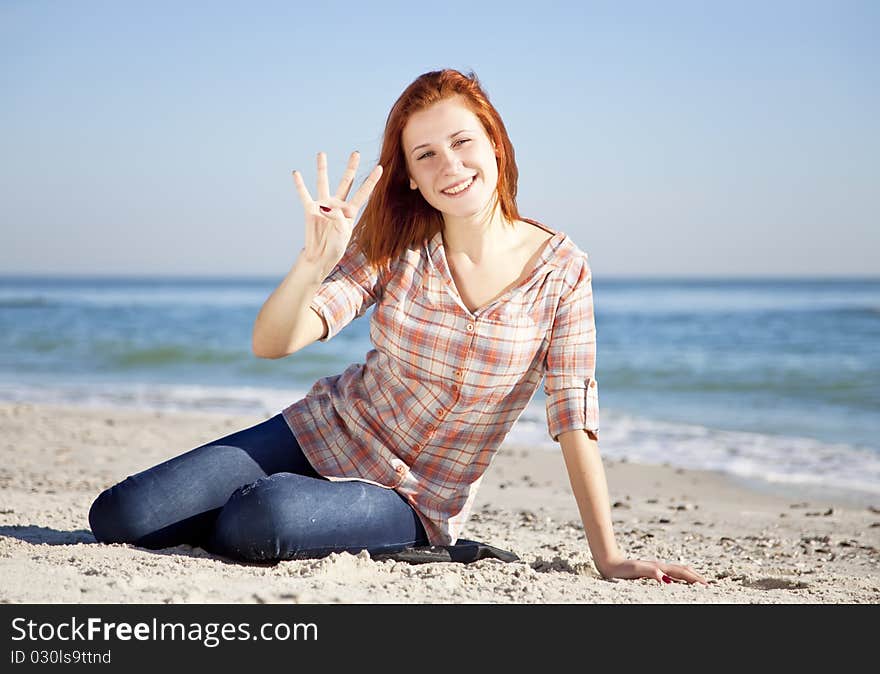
pixel 253 496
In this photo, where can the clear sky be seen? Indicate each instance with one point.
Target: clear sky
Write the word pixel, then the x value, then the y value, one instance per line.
pixel 666 138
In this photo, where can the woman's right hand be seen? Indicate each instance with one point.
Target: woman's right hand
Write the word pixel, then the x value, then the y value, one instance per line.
pixel 330 219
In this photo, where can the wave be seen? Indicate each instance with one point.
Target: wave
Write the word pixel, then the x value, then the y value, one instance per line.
pixel 791 462
pixel 156 397
pixel 775 461
pixel 25 302
pixel 172 355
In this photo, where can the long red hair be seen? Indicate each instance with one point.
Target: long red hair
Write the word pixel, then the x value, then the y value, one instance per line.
pixel 397 217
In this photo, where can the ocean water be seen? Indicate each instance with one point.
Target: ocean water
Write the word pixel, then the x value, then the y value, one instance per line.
pixel 775 382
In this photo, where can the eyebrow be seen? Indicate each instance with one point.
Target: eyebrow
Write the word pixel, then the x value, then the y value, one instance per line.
pixel 427 144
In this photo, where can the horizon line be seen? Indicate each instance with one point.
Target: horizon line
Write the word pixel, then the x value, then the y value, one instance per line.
pixel 268 277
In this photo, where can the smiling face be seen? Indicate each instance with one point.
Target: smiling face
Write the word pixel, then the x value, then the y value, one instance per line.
pixel 450 158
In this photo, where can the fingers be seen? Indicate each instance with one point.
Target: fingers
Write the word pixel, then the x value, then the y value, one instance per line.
pixel 348 177
pixel 304 195
pixel 337 201
pixel 676 573
pixel 323 182
pixel 366 189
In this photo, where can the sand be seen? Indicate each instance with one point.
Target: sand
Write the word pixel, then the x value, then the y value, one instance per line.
pixel 754 546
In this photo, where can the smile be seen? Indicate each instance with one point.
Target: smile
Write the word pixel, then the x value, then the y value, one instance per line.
pixel 460 188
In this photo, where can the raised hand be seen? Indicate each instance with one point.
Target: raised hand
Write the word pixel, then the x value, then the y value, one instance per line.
pixel 329 219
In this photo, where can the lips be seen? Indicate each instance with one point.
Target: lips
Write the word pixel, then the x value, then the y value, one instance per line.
pixel 459 187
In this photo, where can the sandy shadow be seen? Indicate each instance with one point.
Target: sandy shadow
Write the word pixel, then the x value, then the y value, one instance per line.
pixel 44 535
pixel 36 535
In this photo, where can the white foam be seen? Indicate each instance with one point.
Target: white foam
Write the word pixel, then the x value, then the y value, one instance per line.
pixel 770 459
pixel 232 400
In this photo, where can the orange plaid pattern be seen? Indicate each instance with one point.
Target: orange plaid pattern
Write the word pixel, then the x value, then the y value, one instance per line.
pixel 437 395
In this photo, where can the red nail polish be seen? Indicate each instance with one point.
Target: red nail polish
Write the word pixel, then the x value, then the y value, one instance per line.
pixel 325 209
pixel 667 579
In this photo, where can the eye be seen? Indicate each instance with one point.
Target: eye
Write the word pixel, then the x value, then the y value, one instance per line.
pixel 460 141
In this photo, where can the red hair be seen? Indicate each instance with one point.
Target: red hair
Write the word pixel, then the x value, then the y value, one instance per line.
pixel 397 217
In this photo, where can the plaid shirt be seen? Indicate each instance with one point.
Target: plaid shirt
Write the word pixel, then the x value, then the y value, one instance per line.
pixel 436 396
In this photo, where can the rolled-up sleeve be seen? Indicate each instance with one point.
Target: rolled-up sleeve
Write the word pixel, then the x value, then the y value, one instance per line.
pixel 348 291
pixel 570 385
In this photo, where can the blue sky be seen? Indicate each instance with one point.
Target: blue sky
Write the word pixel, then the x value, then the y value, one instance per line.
pixel 674 138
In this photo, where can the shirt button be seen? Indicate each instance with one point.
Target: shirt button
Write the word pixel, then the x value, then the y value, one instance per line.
pixel 400 469
pixel 441 412
pixel 458 374
pixel 470 327
pixel 593 383
pixel 455 387
pixel 431 429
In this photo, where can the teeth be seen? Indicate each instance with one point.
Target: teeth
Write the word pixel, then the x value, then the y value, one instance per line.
pixel 460 188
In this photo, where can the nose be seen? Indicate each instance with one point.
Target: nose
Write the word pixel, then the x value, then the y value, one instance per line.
pixel 451 163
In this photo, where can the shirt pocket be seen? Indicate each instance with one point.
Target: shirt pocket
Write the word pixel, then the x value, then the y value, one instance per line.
pixel 511 351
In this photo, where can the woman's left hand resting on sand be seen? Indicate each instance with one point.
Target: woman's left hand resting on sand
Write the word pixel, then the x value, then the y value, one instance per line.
pixel 587 476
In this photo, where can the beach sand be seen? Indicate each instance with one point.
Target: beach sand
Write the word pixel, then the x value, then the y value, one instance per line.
pixel 752 546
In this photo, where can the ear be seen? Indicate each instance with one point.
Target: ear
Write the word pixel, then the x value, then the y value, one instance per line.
pixel 412 184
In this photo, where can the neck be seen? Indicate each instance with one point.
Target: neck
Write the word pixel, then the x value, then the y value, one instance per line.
pixel 478 235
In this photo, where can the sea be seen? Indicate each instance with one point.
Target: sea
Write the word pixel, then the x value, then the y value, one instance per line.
pixel 773 382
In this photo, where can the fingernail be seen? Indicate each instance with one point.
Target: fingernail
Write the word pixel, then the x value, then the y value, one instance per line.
pixel 667 579
pixel 325 209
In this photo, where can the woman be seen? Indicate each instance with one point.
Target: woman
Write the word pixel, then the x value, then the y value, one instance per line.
pixel 474 306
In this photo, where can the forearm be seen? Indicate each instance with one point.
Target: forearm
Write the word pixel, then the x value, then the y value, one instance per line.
pixel 587 476
pixel 285 322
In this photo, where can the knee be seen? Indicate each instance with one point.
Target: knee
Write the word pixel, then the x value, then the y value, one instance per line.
pixel 249 527
pixel 114 516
